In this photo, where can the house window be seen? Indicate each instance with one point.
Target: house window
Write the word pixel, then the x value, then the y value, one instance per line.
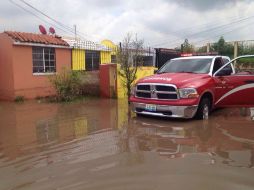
pixel 92 60
pixel 113 58
pixel 44 60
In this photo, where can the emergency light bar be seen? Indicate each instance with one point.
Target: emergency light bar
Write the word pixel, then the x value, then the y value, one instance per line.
pixel 198 54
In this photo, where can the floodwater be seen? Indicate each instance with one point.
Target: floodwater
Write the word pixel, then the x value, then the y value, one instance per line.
pixel 95 145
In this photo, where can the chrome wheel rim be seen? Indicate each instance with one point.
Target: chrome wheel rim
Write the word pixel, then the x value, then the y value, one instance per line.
pixel 205 112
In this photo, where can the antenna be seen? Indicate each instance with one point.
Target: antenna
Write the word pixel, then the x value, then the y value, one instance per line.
pixel 42 29
pixel 52 30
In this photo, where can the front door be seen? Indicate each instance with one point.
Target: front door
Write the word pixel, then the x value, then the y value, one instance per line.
pixel 239 91
pixel 220 81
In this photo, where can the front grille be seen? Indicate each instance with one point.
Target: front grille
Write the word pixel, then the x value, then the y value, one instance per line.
pixel 143 94
pixel 144 87
pixel 156 91
pixel 165 88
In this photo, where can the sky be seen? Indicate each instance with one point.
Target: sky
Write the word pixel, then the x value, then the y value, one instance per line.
pixel 160 23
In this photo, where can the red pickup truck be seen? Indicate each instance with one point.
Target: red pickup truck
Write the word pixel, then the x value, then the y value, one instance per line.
pixel 188 87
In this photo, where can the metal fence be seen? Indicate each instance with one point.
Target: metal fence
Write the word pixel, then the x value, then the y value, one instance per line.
pixel 231 49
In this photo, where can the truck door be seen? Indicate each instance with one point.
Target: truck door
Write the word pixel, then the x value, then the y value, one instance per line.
pixel 220 81
pixel 237 88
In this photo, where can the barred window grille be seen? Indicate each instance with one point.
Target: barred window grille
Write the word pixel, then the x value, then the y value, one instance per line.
pixel 44 60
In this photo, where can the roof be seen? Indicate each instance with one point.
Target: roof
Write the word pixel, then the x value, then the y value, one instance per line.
pixel 24 37
pixel 86 44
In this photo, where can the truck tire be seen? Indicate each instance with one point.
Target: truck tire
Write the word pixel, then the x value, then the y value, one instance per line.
pixel 203 109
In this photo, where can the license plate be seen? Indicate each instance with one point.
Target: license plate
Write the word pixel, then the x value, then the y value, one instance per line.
pixel 150 107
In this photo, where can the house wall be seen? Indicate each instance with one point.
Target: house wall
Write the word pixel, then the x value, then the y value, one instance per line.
pixel 28 84
pixel 78 60
pixel 105 57
pixel 6 72
pixel 110 45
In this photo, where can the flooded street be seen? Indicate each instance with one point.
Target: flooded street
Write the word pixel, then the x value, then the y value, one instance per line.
pixel 94 145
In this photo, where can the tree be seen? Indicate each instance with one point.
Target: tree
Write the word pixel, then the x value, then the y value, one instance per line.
pixel 202 49
pixel 187 47
pixel 223 48
pixel 129 56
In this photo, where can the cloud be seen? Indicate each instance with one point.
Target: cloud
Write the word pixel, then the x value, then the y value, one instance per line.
pixel 204 5
pixel 162 23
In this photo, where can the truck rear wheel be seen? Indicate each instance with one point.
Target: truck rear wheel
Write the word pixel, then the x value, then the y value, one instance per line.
pixel 204 108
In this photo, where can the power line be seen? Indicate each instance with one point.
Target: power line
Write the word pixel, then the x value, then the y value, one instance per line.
pixel 195 27
pixel 54 20
pixel 60 28
pixel 26 10
pixel 59 23
pixel 209 30
pixel 218 35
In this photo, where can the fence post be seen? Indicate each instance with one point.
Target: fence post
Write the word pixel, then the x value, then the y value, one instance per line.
pixel 208 47
pixel 235 49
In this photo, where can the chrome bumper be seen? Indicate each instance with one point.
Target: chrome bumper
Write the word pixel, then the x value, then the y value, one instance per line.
pixel 166 110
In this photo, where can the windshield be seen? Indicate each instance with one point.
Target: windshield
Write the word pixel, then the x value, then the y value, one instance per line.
pixel 187 66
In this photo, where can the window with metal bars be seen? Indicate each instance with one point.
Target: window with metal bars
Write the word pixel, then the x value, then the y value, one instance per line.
pixel 92 60
pixel 44 60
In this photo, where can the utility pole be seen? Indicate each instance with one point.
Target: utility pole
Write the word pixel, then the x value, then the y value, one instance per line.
pixel 75 31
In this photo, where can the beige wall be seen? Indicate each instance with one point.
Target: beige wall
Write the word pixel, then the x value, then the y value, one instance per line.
pixel 6 72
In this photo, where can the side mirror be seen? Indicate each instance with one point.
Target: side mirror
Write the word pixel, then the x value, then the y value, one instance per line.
pixel 224 72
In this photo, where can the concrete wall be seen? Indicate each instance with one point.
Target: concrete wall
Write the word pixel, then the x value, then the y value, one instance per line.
pixel 6 72
pixel 31 85
pixel 91 83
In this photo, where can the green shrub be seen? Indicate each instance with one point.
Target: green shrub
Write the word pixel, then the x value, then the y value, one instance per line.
pixel 67 84
pixel 245 63
pixel 19 99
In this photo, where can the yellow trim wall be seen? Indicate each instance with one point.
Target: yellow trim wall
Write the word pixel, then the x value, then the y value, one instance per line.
pixel 110 45
pixel 78 56
pixel 105 57
pixel 78 59
pixel 141 72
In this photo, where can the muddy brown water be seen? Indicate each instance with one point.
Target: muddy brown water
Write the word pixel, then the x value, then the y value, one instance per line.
pixel 95 145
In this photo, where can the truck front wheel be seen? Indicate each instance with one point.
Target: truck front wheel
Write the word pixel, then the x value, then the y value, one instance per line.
pixel 203 109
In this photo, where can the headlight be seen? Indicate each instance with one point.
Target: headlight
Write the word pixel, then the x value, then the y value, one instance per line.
pixel 188 93
pixel 133 90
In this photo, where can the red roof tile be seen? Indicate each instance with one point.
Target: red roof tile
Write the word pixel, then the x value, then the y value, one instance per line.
pixel 36 38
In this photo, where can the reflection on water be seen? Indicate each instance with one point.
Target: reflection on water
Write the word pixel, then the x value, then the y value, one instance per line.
pixel 55 130
pixel 77 139
pixel 227 142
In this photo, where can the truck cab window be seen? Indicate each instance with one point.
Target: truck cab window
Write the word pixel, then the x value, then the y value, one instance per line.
pixel 228 67
pixel 226 70
pixel 217 64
